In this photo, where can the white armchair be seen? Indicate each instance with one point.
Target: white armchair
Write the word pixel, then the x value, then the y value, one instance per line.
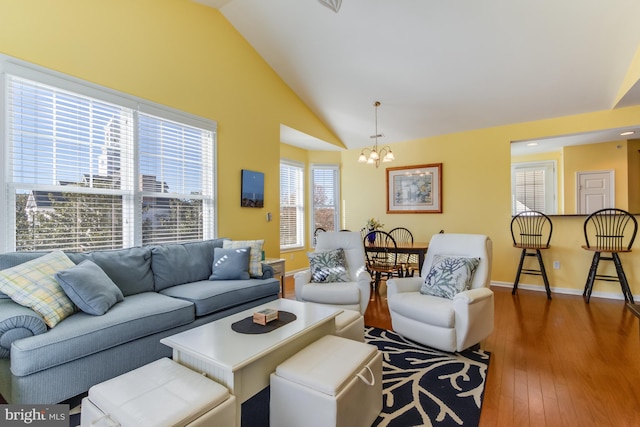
pixel 353 295
pixel 446 324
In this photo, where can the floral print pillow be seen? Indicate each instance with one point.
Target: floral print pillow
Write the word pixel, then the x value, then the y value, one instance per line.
pixel 449 275
pixel 329 266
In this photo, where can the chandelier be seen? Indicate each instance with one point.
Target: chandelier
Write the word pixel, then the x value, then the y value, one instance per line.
pixel 372 156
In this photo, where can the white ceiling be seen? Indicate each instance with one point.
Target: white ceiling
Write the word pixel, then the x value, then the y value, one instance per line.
pixel 442 66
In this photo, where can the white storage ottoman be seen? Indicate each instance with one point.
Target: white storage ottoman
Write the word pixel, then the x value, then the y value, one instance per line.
pixel 350 324
pixel 334 381
pixel 162 393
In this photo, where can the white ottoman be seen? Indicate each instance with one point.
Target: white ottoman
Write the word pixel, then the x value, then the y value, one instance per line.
pixel 162 393
pixel 350 324
pixel 334 381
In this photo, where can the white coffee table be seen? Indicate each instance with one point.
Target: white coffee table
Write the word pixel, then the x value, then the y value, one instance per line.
pixel 243 362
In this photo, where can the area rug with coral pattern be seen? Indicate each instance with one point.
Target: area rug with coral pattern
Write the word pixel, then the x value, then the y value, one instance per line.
pixel 427 387
pixel 421 386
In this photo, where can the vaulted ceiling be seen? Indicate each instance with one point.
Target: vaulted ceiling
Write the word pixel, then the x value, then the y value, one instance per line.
pixel 444 66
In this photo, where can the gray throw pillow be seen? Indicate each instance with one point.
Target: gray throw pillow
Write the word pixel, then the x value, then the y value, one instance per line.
pixel 230 264
pixel 449 275
pixel 329 266
pixel 89 287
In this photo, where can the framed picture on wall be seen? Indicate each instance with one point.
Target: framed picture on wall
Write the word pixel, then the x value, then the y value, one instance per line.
pixel 415 189
pixel 252 189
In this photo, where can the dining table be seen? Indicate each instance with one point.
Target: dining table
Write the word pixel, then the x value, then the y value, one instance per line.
pixel 419 248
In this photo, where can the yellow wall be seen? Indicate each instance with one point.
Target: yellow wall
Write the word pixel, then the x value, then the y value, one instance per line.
pixel 476 195
pixel 633 158
pixel 596 157
pixel 186 56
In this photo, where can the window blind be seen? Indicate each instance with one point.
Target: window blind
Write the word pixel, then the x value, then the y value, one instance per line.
pixel 291 205
pixel 529 191
pixel 65 159
pixel 325 184
pixel 174 179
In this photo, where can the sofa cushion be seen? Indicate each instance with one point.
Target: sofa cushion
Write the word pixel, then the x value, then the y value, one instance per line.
pixel 449 275
pixel 230 264
pixel 425 309
pixel 129 268
pixel 212 296
pixel 328 266
pixel 255 263
pixel 339 293
pixel 89 287
pixel 32 284
pixel 81 334
pixel 193 260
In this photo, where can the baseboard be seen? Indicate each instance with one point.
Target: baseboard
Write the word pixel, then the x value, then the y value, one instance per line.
pixel 565 291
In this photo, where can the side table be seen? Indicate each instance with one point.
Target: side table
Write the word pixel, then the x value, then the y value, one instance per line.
pixel 278 270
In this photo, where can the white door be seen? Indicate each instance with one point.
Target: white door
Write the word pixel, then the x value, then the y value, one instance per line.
pixel 595 191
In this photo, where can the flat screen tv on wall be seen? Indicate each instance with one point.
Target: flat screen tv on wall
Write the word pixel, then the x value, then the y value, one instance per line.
pixel 252 189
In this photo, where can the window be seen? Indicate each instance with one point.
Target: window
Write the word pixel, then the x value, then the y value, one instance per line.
pixel 73 153
pixel 291 205
pixel 533 187
pixel 325 197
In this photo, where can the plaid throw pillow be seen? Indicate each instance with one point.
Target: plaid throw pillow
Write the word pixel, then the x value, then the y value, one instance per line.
pixel 33 284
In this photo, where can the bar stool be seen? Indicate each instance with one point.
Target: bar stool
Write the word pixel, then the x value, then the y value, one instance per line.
pixel 531 232
pixel 610 231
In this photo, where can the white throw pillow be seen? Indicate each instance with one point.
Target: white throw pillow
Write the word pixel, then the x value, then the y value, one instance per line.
pixel 329 266
pixel 449 275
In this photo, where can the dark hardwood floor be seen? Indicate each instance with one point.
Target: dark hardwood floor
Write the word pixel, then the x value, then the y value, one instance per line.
pixel 554 363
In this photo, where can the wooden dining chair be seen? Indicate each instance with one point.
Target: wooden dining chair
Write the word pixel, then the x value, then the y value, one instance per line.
pixel 531 232
pixel 609 231
pixel 381 255
pixel 408 262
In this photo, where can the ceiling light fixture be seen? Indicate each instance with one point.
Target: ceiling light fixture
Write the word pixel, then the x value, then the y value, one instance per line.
pixel 375 154
pixel 629 132
pixel 332 4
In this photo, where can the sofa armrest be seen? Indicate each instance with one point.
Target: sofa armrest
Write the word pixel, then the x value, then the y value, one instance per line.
pixel 17 322
pixel 404 284
pixel 300 279
pixel 474 310
pixel 267 271
pixel 472 296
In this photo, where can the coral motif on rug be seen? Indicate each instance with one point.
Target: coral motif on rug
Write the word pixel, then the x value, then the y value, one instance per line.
pixel 427 387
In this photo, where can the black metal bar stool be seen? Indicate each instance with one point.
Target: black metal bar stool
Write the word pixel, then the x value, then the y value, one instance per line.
pixel 609 231
pixel 531 232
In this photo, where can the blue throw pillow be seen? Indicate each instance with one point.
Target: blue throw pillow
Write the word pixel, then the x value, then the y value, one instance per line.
pixel 89 287
pixel 230 264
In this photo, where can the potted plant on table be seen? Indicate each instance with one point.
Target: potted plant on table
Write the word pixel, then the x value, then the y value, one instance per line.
pixel 373 224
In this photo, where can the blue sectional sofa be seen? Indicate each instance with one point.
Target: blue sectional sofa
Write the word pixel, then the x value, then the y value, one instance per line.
pixel 166 290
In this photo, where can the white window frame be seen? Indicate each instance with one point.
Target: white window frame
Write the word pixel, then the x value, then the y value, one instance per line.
pixel 300 206
pixel 336 195
pixel 131 223
pixel 549 167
